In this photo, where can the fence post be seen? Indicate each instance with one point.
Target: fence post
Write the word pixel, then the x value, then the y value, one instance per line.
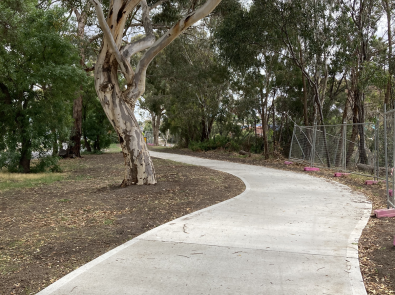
pixel 386 158
pixel 292 141
pixel 377 146
pixel 344 147
pixel 393 159
pixel 313 145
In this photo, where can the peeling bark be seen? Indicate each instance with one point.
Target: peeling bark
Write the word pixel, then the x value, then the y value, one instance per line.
pixel 155 119
pixel 119 104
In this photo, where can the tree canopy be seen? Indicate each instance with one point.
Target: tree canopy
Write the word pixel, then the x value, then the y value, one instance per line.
pixel 238 78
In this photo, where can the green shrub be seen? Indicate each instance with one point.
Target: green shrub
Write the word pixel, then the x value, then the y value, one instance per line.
pixel 234 146
pixel 10 160
pixel 211 144
pixel 249 143
pixel 51 163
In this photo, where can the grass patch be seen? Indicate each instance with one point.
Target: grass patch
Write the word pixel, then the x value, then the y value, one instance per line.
pixel 113 148
pixel 108 221
pixel 92 153
pixel 64 200
pixel 21 180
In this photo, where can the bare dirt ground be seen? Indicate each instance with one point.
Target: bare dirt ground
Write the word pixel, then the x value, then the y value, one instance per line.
pixel 49 230
pixel 376 250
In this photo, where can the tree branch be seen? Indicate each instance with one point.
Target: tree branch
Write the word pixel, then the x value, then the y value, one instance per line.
pixel 165 40
pixel 77 13
pixel 89 69
pixel 145 42
pixel 153 6
pixel 131 5
pixel 93 38
pixel 123 63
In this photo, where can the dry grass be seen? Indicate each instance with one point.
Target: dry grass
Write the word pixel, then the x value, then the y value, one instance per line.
pixel 21 180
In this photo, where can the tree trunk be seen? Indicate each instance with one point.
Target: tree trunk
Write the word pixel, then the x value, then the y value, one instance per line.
pixel 359 118
pixel 340 142
pixel 86 142
pixel 204 136
pixel 351 145
pixel 166 136
pixel 76 133
pixel 321 114
pixel 96 144
pixel 363 158
pixel 87 145
pixel 119 104
pixel 155 127
pixel 281 130
pixel 138 165
pixel 306 120
pixel 388 93
pixel 55 147
pixel 274 126
pixel 210 126
pixel 264 124
pixel 25 151
pixel 24 161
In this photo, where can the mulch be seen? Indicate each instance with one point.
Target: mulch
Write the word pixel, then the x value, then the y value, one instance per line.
pixel 48 231
pixel 376 250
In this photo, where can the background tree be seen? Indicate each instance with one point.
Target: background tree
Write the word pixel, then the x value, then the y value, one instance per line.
pixel 37 74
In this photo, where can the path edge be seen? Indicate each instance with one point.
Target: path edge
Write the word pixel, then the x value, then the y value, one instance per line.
pixel 352 258
pixel 75 273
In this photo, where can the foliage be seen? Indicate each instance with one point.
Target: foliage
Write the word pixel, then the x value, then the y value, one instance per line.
pixel 210 144
pixel 38 76
pixel 261 64
pixel 192 86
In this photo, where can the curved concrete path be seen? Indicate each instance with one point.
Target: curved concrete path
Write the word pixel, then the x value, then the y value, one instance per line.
pixel 288 233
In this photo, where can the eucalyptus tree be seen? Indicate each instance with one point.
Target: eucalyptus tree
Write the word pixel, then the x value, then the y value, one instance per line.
pixel 256 55
pixel 194 83
pixel 82 11
pixel 154 103
pixel 363 16
pixel 157 92
pixel 119 102
pixel 388 7
pixel 83 19
pixel 309 31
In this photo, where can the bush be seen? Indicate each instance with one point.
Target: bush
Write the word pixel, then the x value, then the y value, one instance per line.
pixel 50 162
pixel 93 152
pixel 234 146
pixel 211 144
pixel 215 143
pixel 249 143
pixel 10 160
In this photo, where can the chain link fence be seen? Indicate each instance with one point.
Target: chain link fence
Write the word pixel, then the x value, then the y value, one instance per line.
pixel 344 147
pixel 366 149
pixel 388 156
pixel 150 136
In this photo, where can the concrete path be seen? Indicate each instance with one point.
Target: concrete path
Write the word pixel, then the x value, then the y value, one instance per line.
pixel 288 233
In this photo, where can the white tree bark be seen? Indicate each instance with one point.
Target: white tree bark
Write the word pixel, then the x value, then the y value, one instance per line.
pixel 118 103
pixel 155 120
